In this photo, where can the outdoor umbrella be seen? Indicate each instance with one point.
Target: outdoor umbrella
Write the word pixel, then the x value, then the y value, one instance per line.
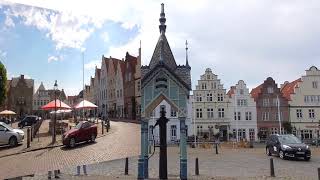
pixel 85 105
pixel 7 112
pixel 53 105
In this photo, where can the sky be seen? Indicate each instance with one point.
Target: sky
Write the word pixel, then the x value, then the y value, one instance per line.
pixel 246 39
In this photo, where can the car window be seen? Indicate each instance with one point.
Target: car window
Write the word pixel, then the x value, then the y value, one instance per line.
pixel 289 140
pixel 78 126
pixel 85 125
pixel 2 128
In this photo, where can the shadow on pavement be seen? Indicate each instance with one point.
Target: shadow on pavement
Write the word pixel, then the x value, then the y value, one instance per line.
pixel 79 145
pixel 4 147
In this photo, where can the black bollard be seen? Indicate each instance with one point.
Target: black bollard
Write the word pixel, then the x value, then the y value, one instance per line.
pixel 28 137
pixel 102 128
pixel 318 173
pixel 217 148
pixel 197 167
pixel 126 167
pixel 271 168
pixel 31 133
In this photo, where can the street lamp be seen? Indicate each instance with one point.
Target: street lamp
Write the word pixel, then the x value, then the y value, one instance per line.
pixel 55 87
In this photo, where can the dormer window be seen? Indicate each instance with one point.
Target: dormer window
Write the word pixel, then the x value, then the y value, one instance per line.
pixel 270 90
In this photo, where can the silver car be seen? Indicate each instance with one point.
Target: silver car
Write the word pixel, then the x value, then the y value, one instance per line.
pixel 10 136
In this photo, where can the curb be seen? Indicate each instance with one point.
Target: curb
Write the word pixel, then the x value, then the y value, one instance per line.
pixel 41 148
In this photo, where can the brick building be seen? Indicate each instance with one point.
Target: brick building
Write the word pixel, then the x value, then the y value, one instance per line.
pixel 267 95
pixel 20 95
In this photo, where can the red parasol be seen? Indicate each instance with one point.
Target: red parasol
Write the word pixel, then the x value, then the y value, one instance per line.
pixel 59 105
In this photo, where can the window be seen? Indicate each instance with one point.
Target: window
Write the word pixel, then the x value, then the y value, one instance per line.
pixel 220 97
pixel 241 91
pixel 274 130
pixel 209 97
pixel 215 85
pixel 173 132
pixel 315 84
pixel 242 133
pixel 265 116
pixel 311 113
pixel 242 102
pixel 2 128
pixel 277 116
pixel 221 112
pixel 299 113
pixel 306 134
pixel 210 113
pixel 199 98
pixel 251 134
pixel 173 113
pixel 248 116
pixel 199 113
pixel 204 86
pixel 265 102
pixel 239 116
pixel 270 90
pixel 199 130
pixel 208 76
pixel 275 101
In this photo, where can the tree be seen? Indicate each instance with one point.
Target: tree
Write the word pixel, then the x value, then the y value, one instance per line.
pixel 3 82
pixel 287 127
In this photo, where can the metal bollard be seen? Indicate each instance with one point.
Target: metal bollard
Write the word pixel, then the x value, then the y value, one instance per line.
pixel 197 167
pixel 102 128
pixel 31 133
pixel 78 170
pixel 84 169
pixel 49 174
pixel 217 148
pixel 126 169
pixel 318 173
pixel 271 168
pixel 28 137
pixel 56 174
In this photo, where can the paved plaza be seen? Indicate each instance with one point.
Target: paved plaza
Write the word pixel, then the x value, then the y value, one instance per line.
pixel 105 159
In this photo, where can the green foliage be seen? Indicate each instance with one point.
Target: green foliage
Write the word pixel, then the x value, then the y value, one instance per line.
pixel 3 81
pixel 287 127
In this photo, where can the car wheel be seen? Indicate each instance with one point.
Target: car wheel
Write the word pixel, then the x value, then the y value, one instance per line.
pixel 72 142
pixel 93 137
pixel 281 154
pixel 306 158
pixel 13 141
pixel 268 151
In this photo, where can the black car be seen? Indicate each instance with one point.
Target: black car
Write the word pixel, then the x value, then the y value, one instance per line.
pixel 28 121
pixel 286 146
pixel 314 142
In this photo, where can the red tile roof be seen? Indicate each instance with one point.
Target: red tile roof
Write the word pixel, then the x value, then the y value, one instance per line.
pixel 288 89
pixel 231 91
pixel 256 91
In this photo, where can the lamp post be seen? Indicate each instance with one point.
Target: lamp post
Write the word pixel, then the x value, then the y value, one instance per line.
pixel 55 87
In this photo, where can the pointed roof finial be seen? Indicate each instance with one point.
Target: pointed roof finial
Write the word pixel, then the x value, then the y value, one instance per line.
pixel 162 20
pixel 187 63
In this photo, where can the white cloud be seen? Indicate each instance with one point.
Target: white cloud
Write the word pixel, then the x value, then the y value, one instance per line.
pixel 9 22
pixel 52 58
pixel 92 64
pixel 105 36
pixel 237 39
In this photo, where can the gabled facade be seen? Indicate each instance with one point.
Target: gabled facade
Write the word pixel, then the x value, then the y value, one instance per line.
pixel 303 96
pixel 243 111
pixel 119 74
pixel 104 86
pixel 111 99
pixel 40 98
pixel 211 107
pixel 96 93
pixel 271 105
pixel 137 82
pixel 20 95
pixel 130 101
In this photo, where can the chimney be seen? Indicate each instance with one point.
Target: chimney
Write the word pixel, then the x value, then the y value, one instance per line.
pixel 21 76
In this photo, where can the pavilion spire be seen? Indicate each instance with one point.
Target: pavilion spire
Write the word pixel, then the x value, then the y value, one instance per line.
pixel 162 20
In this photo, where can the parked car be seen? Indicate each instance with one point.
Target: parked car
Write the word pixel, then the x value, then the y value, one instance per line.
pixel 286 146
pixel 10 136
pixel 28 121
pixel 83 131
pixel 314 142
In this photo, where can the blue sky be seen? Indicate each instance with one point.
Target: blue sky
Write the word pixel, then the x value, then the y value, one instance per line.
pixel 27 49
pixel 238 40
